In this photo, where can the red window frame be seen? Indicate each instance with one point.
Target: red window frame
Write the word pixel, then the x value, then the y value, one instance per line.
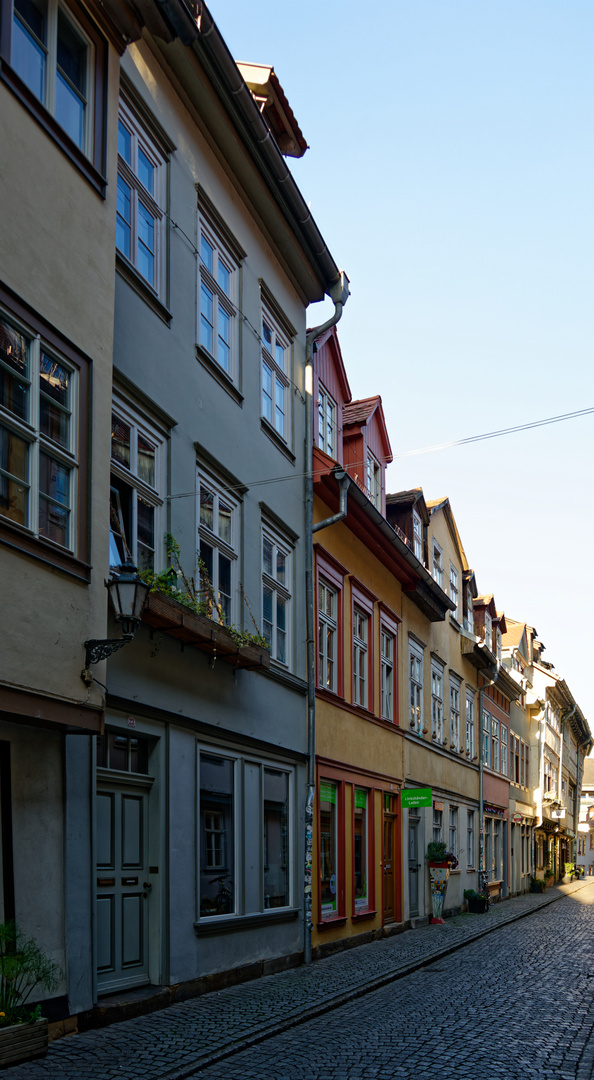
pixel 370 838
pixel 339 915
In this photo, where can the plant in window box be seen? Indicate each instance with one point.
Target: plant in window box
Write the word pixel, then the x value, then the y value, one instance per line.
pixel 437 854
pixel 23 968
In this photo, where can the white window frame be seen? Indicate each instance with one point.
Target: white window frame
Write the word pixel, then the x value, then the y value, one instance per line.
pixel 470 852
pixel 437 680
pixel 504 754
pixel 415 685
pixel 488 631
pixel 28 430
pixel 437 836
pixel 469 724
pixel 221 547
pixel 417 535
pixel 141 198
pixel 275 370
pixel 281 593
pixel 486 738
pixel 455 592
pixel 469 611
pixel 373 480
pixel 151 494
pixel 327 636
pixel 223 346
pixel 437 563
pixel 360 654
pixel 51 74
pixel 387 661
pixel 495 757
pixel 327 421
pixel 455 687
pixel 453 830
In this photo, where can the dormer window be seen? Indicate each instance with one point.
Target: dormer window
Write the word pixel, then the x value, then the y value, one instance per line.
pixel 418 536
pixel 454 591
pixel 488 631
pixel 498 644
pixel 373 485
pixel 326 422
pixel 437 564
pixel 469 612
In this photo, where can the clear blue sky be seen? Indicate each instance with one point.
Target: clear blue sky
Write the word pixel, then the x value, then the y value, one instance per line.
pixel 451 172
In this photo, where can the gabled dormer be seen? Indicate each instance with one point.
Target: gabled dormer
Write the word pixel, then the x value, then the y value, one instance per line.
pixel 407 513
pixel 366 448
pixel 331 392
pixel 485 620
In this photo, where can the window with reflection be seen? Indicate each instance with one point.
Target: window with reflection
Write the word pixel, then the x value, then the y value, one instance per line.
pixel 217 549
pixel 329 872
pixel 136 487
pixel 122 752
pixel 140 220
pixel 361 850
pixel 217 836
pixel 276 594
pixel 276 838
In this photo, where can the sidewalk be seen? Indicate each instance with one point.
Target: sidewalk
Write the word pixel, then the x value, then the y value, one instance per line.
pixel 173 1043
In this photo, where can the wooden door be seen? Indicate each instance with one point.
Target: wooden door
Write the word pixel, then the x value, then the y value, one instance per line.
pixel 122 887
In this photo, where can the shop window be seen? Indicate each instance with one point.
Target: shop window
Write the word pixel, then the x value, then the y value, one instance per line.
pixel 329 869
pixel 361 850
pixel 217 850
pixel 276 838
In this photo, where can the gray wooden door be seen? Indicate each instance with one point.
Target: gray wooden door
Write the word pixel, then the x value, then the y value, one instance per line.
pixel 123 887
pixel 414 867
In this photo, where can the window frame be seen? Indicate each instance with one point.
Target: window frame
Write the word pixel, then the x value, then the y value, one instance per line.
pixel 504 750
pixel 74 560
pixel 280 374
pixel 455 691
pixel 470 844
pixel 91 161
pixel 495 757
pixel 327 913
pixel 437 700
pixel 418 536
pixel 360 905
pixel 454 592
pixel 143 139
pixel 415 657
pixel 221 547
pixel 154 495
pixel 469 723
pixel 332 576
pixel 280 545
pixel 373 480
pixel 453 825
pixel 327 421
pixel 437 563
pixel 388 670
pixel 362 605
pixel 486 738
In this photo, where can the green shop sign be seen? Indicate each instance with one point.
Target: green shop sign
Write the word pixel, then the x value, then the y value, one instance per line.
pixel 421 796
pixel 327 792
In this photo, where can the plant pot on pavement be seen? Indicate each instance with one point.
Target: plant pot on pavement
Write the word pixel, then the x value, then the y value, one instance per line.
pixel 23 1042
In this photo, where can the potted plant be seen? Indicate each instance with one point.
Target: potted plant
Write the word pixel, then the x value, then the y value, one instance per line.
pixel 437 854
pixel 477 901
pixel 23 968
pixel 549 876
pixel 537 885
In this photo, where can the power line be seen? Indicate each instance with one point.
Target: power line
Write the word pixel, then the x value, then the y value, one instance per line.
pixel 495 434
pixel 404 453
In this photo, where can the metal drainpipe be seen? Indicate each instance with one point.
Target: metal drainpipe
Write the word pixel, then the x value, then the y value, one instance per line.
pixel 339 294
pixel 481 766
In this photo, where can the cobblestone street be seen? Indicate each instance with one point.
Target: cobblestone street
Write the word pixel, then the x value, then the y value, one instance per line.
pixel 508 994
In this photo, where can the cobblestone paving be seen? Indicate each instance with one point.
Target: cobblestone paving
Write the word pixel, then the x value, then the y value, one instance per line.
pixel 175 1042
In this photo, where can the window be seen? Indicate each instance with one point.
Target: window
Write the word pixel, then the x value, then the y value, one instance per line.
pixel 276 594
pixel 327 636
pixel 488 849
pixel 497 851
pixel 504 761
pixel 276 838
pixel 527 769
pixel 495 745
pixel 498 643
pixel 437 823
pixel 418 536
pixel 373 480
pixel 453 839
pixel 470 839
pixel 469 621
pixel 488 631
pixel 141 195
pixel 454 592
pixel 217 547
pixel 437 701
pixel 218 271
pixel 329 871
pixel 360 658
pixel 437 563
pixel 361 851
pixel 275 376
pixel 415 682
pixel 516 765
pixel 326 422
pixel 137 463
pixel 454 712
pixel 469 724
pixel 122 752
pixel 38 436
pixel 217 839
pixel 486 743
pixel 387 649
pixel 55 58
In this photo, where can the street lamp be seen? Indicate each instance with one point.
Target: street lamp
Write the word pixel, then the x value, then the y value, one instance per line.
pixel 128 594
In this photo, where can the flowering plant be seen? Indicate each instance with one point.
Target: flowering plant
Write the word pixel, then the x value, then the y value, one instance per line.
pixel 438 852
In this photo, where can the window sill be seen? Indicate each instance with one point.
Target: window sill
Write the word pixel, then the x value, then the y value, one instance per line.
pixel 225 924
pixel 336 920
pixel 359 916
pixel 275 438
pixel 141 287
pixel 13 536
pixel 52 128
pixel 217 373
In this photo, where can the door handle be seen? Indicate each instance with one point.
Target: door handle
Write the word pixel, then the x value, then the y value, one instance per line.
pixel 146 885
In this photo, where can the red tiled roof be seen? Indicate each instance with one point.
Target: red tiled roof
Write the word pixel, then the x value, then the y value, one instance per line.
pixel 358 412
